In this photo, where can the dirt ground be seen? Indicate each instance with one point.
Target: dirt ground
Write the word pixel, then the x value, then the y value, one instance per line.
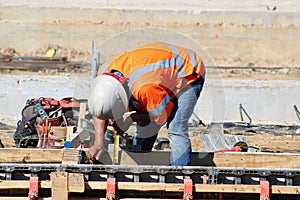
pixel 261 137
pixel 226 70
pixel 278 140
pixel 250 34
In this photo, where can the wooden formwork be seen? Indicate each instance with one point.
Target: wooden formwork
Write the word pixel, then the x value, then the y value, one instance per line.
pixel 62 184
pixel 62 174
pixel 227 159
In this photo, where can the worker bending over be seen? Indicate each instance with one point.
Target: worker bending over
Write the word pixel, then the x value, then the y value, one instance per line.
pixel 161 83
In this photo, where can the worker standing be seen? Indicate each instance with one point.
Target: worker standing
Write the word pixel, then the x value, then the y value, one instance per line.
pixel 161 83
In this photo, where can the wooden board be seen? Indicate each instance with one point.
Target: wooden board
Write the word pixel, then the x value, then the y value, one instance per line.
pixel 73 156
pixel 76 182
pixel 228 159
pixel 59 185
pixel 82 112
pixel 18 155
pixel 257 160
pixel 62 182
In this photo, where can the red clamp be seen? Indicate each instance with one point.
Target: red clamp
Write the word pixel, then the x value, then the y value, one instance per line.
pixel 264 190
pixel 204 178
pixel 188 189
pixel 33 188
pixel 234 149
pixel 111 189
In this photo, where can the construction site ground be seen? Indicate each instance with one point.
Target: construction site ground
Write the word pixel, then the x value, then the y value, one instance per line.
pixel 246 44
pixel 275 140
pixel 262 57
pixel 267 67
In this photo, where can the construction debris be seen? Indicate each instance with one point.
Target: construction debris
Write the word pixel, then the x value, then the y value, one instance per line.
pixel 36 64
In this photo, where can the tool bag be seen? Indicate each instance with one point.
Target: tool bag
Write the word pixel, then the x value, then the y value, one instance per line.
pixel 62 113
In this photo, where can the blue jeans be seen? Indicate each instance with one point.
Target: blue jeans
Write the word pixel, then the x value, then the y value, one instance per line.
pixel 177 125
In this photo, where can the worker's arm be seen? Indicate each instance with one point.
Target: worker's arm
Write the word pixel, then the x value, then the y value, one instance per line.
pixel 122 125
pixel 100 127
pixel 141 116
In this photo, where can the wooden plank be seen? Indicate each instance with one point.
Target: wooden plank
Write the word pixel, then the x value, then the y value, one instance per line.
pixel 22 184
pixel 142 186
pixel 40 59
pixel 240 159
pixel 70 132
pixel 280 189
pixel 71 156
pixel 228 159
pixel 12 155
pixel 14 184
pixel 177 187
pixel 215 188
pixel 9 155
pixel 227 188
pixel 146 187
pixel 257 160
pixel 76 182
pixel 59 185
pixel 82 113
pixel 174 187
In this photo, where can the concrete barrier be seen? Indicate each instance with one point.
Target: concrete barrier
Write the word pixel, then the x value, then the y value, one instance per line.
pixel 265 101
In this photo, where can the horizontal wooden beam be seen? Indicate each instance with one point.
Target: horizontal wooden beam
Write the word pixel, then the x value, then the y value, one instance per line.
pixel 228 159
pixel 175 187
pixel 152 187
pixel 281 189
pixel 257 160
pixel 18 155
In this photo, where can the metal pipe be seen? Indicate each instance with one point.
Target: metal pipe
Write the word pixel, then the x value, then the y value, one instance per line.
pixel 297 112
pixel 242 110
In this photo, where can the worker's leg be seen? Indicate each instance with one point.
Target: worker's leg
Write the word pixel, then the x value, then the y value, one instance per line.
pixel 181 152
pixel 146 134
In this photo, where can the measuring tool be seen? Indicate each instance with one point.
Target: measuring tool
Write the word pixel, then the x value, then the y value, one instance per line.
pixel 116 148
pixel 41 111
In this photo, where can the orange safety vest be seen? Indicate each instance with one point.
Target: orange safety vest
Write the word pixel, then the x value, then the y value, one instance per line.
pixel 157 72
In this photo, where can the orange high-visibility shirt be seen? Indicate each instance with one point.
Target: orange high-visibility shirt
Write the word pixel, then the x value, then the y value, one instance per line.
pixel 157 72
